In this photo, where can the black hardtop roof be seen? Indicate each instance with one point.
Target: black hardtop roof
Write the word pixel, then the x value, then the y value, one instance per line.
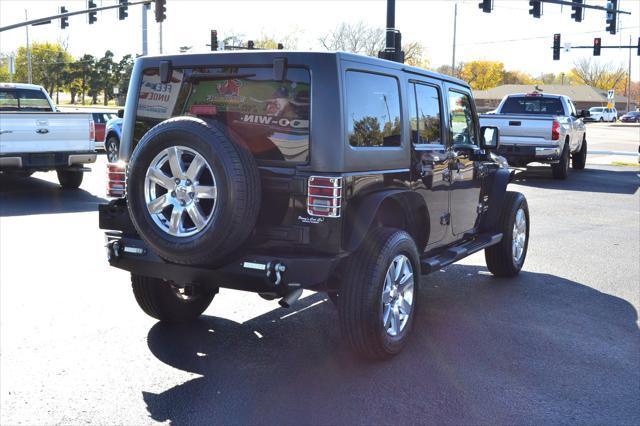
pixel 294 57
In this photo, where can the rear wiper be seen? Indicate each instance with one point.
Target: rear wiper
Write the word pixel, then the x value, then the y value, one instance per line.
pixel 205 76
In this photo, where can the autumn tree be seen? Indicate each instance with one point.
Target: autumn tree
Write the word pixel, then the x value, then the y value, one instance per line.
pixel 482 75
pixel 598 74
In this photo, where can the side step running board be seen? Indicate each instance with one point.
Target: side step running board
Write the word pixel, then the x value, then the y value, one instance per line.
pixel 453 254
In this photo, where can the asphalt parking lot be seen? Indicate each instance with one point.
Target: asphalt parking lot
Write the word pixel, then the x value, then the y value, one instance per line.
pixel 558 344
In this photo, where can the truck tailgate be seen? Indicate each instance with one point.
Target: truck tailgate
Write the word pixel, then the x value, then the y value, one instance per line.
pixel 45 132
pixel 520 129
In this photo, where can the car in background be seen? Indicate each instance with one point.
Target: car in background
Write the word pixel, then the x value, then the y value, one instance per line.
pixel 100 118
pixel 602 114
pixel 631 117
pixel 111 140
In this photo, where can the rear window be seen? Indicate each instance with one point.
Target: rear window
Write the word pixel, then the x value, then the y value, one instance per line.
pixel 532 105
pixel 268 116
pixel 26 100
pixel 595 109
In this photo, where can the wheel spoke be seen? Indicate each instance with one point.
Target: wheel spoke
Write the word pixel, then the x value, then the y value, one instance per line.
pixel 386 316
pixel 195 167
pixel 399 268
pixel 209 192
pixel 405 307
pixel 196 216
pixel 405 281
pixel 175 162
pixel 386 296
pixel 395 320
pixel 176 219
pixel 158 176
pixel 156 206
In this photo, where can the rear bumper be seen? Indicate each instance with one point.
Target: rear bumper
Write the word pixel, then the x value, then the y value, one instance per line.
pixel 521 155
pixel 258 273
pixel 45 160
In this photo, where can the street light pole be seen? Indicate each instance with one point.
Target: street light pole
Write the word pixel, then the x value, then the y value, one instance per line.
pixel 455 23
pixel 629 78
pixel 29 69
pixel 144 30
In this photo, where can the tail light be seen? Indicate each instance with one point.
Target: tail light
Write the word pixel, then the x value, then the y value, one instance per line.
pixel 325 196
pixel 555 131
pixel 92 130
pixel 116 179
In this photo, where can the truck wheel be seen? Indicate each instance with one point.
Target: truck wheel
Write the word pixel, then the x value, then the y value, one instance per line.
pixel 169 302
pixel 112 146
pixel 193 194
pixel 70 179
pixel 579 159
pixel 561 169
pixel 379 294
pixel 506 258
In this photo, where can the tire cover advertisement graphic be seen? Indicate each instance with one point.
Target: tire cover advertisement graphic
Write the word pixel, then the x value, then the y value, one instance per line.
pixel 272 116
pixel 157 99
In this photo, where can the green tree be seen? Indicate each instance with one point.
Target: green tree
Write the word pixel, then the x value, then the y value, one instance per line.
pixel 48 61
pixel 86 69
pixel 105 68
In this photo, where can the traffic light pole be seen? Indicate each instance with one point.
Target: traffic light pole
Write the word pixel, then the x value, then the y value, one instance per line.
pixel 64 15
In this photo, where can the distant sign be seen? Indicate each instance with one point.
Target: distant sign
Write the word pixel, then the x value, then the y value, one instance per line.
pixel 611 94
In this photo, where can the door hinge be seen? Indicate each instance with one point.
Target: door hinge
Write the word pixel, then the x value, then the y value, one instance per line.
pixel 445 219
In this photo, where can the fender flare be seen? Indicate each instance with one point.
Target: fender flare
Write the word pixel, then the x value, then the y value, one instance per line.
pixel 361 214
pixel 497 188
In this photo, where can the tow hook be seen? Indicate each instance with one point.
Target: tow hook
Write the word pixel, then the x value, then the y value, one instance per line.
pixel 114 250
pixel 274 271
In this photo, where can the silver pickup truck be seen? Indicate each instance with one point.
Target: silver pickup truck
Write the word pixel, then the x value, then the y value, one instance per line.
pixel 541 128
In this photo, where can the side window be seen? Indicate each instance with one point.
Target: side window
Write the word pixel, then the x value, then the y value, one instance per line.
pixel 463 129
pixel 373 110
pixel 573 108
pixel 425 116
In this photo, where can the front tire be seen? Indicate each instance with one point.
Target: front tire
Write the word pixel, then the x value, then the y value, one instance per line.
pixel 70 179
pixel 169 302
pixel 561 169
pixel 506 258
pixel 579 159
pixel 112 146
pixel 379 294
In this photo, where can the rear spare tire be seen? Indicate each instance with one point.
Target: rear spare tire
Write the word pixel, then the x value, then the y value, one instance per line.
pixel 193 194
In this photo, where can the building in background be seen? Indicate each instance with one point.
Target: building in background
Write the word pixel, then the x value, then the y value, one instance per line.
pixel 584 97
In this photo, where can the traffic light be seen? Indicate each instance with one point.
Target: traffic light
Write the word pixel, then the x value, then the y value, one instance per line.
pixel 536 8
pixel 577 10
pixel 596 46
pixel 638 46
pixel 122 11
pixel 612 16
pixel 64 21
pixel 486 6
pixel 214 40
pixel 280 46
pixel 93 16
pixel 161 10
pixel 556 47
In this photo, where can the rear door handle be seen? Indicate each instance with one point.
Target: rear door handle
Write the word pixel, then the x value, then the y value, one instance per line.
pixel 2 132
pixel 42 131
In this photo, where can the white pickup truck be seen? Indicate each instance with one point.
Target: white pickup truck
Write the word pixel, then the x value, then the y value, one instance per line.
pixel 541 128
pixel 35 136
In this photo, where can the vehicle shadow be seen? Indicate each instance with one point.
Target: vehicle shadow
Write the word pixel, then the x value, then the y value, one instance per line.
pixel 533 349
pixel 26 196
pixel 622 180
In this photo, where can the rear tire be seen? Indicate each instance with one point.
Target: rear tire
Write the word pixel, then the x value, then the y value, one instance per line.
pixel 501 258
pixel 164 301
pixel 379 294
pixel 579 159
pixel 561 169
pixel 70 179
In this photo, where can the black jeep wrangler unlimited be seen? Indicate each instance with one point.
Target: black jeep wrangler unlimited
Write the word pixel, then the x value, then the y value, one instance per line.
pixel 274 172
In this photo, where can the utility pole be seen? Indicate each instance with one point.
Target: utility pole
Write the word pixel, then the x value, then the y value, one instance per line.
pixel 145 8
pixel 29 69
pixel 629 78
pixel 455 23
pixel 160 36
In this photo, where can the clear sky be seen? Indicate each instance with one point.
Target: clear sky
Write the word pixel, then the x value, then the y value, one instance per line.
pixel 509 34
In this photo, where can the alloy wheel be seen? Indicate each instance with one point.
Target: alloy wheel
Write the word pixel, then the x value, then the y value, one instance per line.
pixel 180 191
pixel 397 295
pixel 519 237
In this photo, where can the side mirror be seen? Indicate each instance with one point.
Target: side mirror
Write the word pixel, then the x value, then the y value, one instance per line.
pixel 585 113
pixel 490 137
pixel 120 113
